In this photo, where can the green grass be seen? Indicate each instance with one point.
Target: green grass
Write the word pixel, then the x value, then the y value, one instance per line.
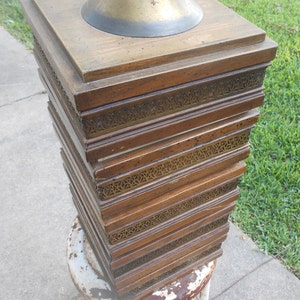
pixel 269 207
pixel 12 19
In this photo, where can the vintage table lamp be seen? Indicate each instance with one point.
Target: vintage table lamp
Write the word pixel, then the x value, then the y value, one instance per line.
pixel 153 102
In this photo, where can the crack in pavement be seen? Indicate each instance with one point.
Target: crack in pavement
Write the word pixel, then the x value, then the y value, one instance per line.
pixel 23 99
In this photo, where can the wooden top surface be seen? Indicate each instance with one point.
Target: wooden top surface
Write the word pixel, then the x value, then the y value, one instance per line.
pixel 97 54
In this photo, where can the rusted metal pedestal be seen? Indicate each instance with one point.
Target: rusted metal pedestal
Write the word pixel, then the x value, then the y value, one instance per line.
pixel 92 283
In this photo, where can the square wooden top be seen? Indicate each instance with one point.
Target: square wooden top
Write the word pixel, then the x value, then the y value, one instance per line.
pixel 97 55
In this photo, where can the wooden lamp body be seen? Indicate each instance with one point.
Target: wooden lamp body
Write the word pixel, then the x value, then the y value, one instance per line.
pixel 154 134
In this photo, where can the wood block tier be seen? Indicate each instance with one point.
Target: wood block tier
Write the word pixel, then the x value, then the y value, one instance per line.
pixel 154 134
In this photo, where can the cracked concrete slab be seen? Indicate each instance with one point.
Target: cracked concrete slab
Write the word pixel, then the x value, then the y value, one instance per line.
pixel 36 206
pixel 267 282
pixel 18 77
pixel 244 272
pixel 240 256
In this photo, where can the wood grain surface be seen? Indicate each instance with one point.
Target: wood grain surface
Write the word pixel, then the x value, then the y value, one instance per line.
pixel 154 134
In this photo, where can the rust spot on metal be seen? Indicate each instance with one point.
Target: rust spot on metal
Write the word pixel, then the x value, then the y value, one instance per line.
pixel 96 293
pixel 153 2
pixel 91 282
pixel 74 226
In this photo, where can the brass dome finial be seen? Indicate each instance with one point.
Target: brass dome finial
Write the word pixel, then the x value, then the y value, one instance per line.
pixel 142 18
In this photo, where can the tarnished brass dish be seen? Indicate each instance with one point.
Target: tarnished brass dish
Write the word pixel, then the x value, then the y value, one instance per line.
pixel 142 18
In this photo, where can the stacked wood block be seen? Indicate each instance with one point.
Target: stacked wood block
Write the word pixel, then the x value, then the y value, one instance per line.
pixel 154 134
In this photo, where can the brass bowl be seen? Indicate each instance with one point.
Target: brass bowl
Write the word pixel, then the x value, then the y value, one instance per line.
pixel 142 18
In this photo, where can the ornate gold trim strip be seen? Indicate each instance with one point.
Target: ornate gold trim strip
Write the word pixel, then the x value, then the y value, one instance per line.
pixel 169 213
pixel 63 96
pixel 169 247
pixel 155 106
pixel 206 254
pixel 124 184
pixel 69 145
pixel 168 103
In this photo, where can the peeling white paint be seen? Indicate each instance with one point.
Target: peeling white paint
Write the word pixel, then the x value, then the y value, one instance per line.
pixel 177 284
pixel 88 276
pixel 201 274
pixel 165 294
pixel 81 261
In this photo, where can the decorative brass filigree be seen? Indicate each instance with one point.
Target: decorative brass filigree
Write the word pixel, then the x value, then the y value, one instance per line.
pixel 177 243
pixel 63 96
pixel 141 177
pixel 204 255
pixel 168 103
pixel 111 119
pixel 169 213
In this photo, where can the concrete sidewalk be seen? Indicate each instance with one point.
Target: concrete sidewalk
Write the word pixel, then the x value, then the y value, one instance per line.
pixel 36 209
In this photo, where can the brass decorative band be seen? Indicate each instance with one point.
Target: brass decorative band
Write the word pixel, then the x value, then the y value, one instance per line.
pixel 210 251
pixel 64 135
pixel 177 243
pixel 64 99
pixel 168 103
pixel 169 213
pixel 118 186
pixel 155 106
